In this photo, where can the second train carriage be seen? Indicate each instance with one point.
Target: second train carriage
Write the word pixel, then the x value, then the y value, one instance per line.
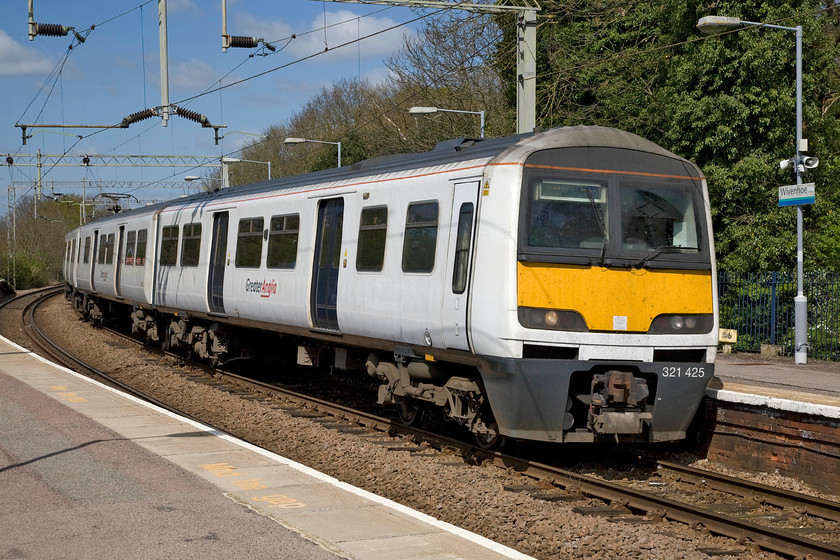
pixel 554 286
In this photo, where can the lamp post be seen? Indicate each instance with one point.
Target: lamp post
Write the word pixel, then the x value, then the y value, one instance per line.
pixel 191 178
pixel 713 24
pixel 290 141
pixel 268 163
pixel 430 110
pixel 226 161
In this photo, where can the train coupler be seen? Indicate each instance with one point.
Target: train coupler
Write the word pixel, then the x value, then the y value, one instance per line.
pixel 618 404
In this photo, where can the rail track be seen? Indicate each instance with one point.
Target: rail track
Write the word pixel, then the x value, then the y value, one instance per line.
pixel 622 501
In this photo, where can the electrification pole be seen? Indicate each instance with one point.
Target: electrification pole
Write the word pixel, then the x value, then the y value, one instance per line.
pixel 164 63
pixel 526 47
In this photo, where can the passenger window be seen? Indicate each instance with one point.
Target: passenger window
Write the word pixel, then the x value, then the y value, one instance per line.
pixel 283 241
pixel 169 246
pixel 73 252
pixel 130 244
pixel 249 243
pixel 420 237
pixel 109 249
pixel 191 245
pixel 373 228
pixel 100 251
pixel 106 250
pixel 462 248
pixel 140 255
pixel 87 250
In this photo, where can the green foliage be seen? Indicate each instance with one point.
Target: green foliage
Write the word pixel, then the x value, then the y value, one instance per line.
pixel 32 247
pixel 760 307
pixel 446 65
pixel 726 102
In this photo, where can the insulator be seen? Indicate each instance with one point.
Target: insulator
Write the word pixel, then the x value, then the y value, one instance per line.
pixel 9 160
pixel 51 29
pixel 192 116
pixel 270 47
pixel 138 116
pixel 243 42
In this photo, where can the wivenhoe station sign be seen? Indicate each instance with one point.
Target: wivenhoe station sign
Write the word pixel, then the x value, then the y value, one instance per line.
pixel 795 195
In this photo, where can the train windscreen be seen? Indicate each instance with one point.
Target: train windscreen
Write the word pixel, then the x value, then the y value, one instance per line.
pixel 610 207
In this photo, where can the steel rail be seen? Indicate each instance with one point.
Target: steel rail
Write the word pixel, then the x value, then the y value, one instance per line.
pixel 51 350
pixel 769 538
pixel 772 539
pixel 811 505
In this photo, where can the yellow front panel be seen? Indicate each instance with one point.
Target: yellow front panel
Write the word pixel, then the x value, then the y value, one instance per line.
pixel 604 296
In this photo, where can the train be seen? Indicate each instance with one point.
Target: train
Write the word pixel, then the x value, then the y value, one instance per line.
pixel 554 286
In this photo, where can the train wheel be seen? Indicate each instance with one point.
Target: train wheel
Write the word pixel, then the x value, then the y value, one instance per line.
pixel 409 413
pixel 488 437
pixel 488 440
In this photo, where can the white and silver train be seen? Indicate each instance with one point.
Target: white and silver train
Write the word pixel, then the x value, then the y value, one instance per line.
pixel 555 286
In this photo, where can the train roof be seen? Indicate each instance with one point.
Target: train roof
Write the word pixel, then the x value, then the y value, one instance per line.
pixel 446 152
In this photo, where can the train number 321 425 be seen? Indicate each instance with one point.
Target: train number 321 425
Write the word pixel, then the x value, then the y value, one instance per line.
pixel 688 371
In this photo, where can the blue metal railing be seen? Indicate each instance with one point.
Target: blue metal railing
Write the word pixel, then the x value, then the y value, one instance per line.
pixel 760 307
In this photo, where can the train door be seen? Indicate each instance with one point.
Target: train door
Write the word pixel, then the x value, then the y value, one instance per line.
pixel 119 263
pixel 326 264
pixel 93 260
pixel 458 263
pixel 218 262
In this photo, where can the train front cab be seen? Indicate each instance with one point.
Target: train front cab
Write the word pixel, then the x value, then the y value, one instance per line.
pixel 616 299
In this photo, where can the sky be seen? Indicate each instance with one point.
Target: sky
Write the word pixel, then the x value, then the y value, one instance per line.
pixel 116 72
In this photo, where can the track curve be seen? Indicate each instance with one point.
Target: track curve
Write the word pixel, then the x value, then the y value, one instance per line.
pixel 617 495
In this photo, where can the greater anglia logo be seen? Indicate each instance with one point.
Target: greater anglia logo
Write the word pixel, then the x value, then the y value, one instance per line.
pixel 264 288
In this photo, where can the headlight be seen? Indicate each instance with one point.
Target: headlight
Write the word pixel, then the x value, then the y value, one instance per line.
pixel 552 319
pixel 679 324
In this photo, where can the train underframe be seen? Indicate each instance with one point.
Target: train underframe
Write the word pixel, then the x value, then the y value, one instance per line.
pixel 548 400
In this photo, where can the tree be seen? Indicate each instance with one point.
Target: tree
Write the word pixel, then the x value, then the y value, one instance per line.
pixel 447 65
pixel 36 242
pixel 725 102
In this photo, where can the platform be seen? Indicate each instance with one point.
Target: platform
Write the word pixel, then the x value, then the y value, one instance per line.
pixel 777 382
pixel 88 472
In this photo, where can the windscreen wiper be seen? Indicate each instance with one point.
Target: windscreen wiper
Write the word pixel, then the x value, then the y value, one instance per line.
pixel 600 219
pixel 641 263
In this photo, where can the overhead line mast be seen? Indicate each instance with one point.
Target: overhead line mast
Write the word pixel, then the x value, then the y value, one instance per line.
pixel 526 47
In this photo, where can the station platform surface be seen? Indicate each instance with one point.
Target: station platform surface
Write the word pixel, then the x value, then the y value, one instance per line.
pixel 88 472
pixel 778 382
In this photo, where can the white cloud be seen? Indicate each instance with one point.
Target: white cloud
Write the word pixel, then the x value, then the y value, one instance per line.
pixel 181 6
pixel 192 75
pixel 343 27
pixel 17 60
pixel 378 76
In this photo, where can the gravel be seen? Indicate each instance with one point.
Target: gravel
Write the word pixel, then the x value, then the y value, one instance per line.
pixel 440 484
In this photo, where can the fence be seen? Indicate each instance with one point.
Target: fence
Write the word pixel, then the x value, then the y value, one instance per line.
pixel 760 307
